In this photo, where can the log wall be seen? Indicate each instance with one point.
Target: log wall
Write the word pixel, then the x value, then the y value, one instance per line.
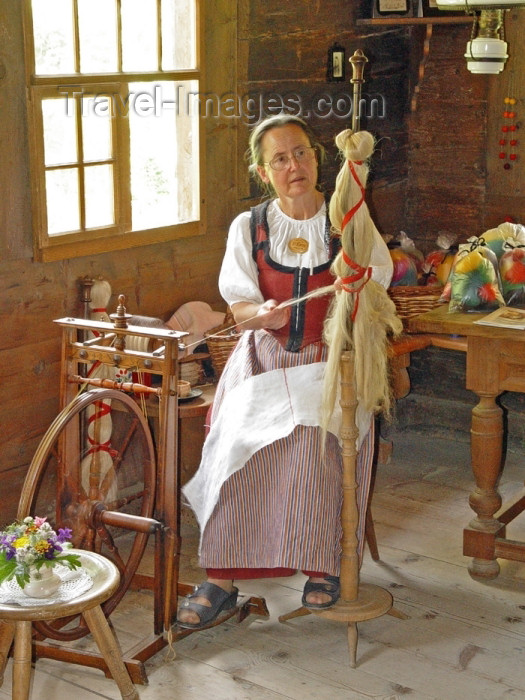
pixel 456 179
pixel 428 174
pixel 155 279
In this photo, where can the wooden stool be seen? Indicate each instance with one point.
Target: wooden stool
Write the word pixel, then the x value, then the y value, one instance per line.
pixel 18 619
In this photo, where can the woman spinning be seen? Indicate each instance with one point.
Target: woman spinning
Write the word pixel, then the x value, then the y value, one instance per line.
pixel 268 491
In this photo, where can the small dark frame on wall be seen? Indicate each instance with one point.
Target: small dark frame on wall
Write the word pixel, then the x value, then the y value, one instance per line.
pixel 336 68
pixel 395 8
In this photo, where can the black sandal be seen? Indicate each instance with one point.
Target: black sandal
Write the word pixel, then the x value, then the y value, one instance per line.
pixel 330 586
pixel 220 600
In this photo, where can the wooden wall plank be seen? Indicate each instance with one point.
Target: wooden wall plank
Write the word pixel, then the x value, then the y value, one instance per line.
pixel 155 279
pixel 501 181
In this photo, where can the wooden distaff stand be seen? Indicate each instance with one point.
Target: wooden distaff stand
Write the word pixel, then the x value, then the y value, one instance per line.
pixel 357 602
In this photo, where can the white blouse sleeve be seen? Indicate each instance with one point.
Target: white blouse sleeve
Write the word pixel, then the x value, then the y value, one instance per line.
pixel 239 279
pixel 380 261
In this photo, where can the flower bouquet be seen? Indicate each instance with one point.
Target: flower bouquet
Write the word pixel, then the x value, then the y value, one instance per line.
pixel 30 544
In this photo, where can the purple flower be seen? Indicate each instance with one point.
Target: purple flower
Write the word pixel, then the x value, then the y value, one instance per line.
pixel 6 543
pixel 64 533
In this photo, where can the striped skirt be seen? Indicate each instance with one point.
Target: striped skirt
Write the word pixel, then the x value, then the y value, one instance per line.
pixel 283 508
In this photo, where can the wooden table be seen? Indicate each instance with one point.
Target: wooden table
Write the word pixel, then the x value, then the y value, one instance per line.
pixel 192 429
pixel 495 363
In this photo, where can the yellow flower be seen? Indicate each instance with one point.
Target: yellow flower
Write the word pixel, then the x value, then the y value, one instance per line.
pixel 21 542
pixel 41 547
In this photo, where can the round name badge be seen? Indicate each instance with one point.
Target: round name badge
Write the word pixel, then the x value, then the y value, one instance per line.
pixel 298 245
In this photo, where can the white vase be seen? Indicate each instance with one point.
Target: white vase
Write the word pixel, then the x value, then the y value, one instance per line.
pixel 43 583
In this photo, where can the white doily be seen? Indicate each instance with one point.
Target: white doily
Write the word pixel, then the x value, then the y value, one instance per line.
pixel 73 584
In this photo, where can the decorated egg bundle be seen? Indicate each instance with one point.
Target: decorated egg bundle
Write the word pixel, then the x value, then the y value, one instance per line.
pixel 489 271
pixel 474 281
pixel 438 263
pixel 495 238
pixel 407 260
pixel 405 271
pixel 512 265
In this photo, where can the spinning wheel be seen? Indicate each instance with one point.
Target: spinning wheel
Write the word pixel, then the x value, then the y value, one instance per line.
pixel 99 472
pixel 66 484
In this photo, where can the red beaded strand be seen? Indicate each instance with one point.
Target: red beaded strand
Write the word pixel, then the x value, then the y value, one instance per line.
pixel 509 129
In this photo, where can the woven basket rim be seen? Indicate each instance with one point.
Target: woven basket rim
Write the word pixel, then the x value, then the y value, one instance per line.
pixel 221 346
pixel 413 300
pixel 415 291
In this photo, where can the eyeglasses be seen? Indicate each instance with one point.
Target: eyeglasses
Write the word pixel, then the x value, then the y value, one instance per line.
pixel 302 154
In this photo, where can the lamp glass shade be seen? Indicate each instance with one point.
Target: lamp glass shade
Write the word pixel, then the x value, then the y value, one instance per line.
pixel 469 5
pixel 486 55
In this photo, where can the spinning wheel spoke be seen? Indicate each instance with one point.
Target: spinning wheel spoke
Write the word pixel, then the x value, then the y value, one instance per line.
pixel 77 479
pixel 117 505
pixel 107 539
pixel 125 443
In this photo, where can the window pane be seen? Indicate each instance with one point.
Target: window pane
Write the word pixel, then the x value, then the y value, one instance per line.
pixel 97 21
pixel 164 159
pixel 53 32
pixel 178 34
pixel 96 128
pixel 62 201
pixel 139 35
pixel 188 192
pixel 99 196
pixel 60 137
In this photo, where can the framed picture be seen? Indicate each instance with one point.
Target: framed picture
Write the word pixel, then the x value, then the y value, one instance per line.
pixel 392 8
pixel 336 66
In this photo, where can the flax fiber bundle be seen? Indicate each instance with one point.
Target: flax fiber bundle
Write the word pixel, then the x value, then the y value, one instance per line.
pixel 362 318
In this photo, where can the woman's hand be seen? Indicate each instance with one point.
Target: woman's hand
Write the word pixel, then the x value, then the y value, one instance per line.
pixel 257 316
pixel 272 317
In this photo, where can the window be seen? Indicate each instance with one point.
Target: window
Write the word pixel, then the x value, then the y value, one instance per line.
pixel 113 95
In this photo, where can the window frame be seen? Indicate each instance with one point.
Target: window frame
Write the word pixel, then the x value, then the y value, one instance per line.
pixel 118 236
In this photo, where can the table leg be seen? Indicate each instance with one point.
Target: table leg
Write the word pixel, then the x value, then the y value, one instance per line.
pixel 7 632
pixel 108 646
pixel 486 457
pixel 22 660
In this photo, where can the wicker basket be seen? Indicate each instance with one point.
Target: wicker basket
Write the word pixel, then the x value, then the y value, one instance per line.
pixel 221 342
pixel 190 371
pixel 411 301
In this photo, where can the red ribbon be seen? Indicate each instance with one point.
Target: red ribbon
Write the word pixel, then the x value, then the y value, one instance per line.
pixel 102 409
pixel 349 214
pixel 361 273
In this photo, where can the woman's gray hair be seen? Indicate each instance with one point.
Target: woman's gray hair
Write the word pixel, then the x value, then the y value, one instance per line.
pixel 254 153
